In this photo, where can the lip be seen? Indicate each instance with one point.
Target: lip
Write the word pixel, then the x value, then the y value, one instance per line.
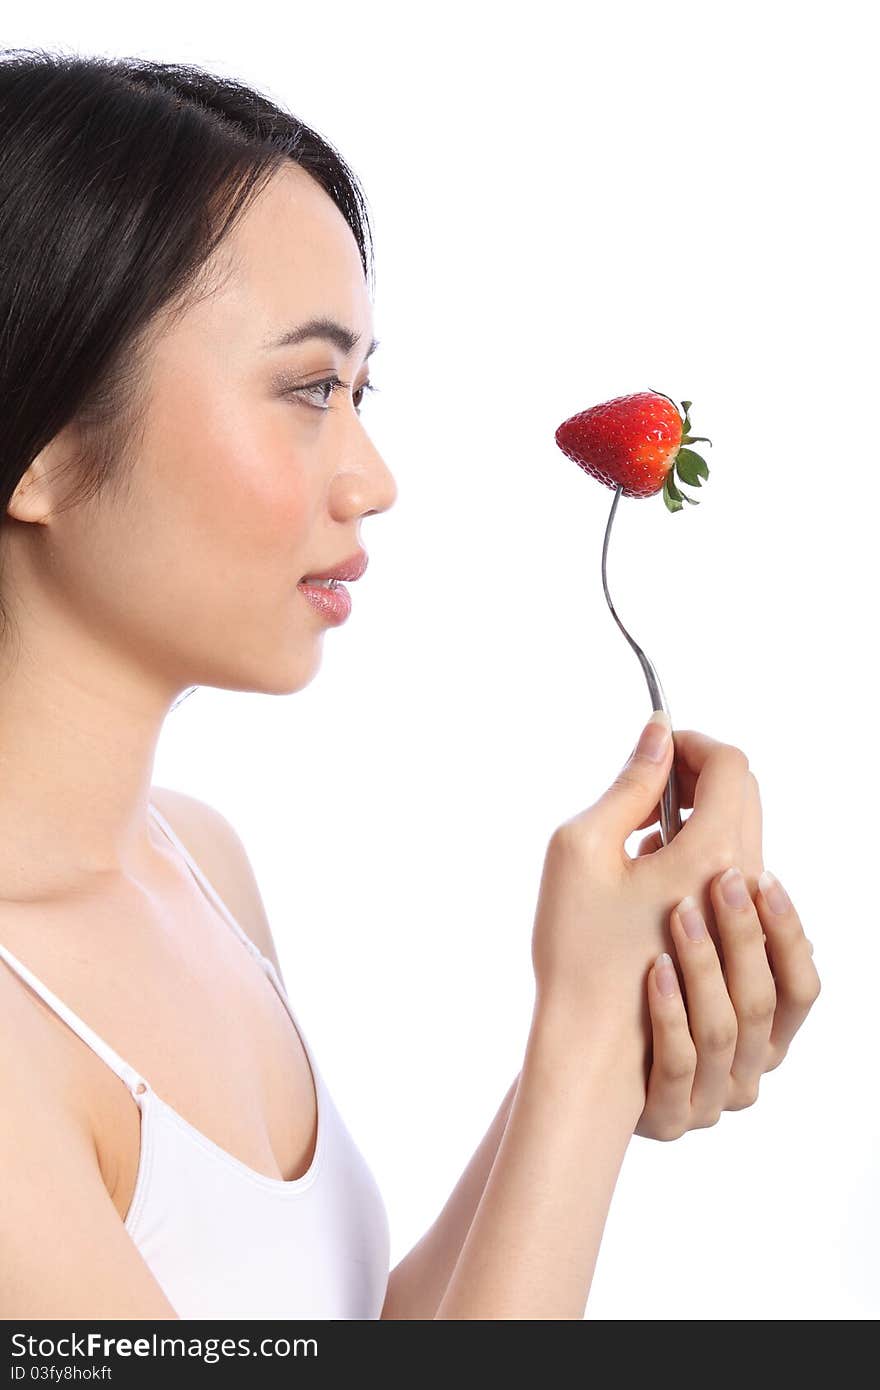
pixel 334 605
pixel 350 569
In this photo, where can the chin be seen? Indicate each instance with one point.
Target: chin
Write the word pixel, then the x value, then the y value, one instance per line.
pixel 278 673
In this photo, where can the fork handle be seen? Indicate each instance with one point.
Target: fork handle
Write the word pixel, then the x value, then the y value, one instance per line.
pixel 670 812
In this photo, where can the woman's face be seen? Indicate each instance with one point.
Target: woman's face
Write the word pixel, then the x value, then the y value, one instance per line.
pixel 250 475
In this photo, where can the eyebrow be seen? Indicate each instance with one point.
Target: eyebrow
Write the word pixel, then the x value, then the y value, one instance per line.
pixel 337 333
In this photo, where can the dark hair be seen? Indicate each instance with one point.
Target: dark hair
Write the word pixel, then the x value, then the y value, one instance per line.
pixel 118 179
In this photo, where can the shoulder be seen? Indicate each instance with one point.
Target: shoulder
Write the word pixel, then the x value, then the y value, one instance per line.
pixel 218 850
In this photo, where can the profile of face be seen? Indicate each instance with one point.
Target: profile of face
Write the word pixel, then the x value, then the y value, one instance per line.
pixel 251 474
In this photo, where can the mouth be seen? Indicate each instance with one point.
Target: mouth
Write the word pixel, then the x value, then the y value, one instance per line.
pixel 350 569
pixel 329 597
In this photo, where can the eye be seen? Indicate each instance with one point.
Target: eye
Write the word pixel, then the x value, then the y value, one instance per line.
pixel 318 393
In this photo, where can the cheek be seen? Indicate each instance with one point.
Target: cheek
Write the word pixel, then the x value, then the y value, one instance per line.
pixel 259 506
pixel 242 495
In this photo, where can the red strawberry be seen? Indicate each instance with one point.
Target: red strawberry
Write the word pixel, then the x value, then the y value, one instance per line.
pixel 634 443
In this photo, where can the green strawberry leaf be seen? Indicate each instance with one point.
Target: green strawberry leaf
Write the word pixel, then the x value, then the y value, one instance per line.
pixel 691 467
pixel 673 503
pixel 672 489
pixel 693 501
pixel 688 476
pixel 686 405
pixel 695 438
pixel 672 506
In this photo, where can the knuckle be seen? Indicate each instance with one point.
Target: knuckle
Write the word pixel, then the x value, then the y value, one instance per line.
pixel 735 758
pixel 712 849
pixel 668 1132
pixel 560 842
pixel 740 925
pixel 679 1065
pixel 571 842
pixel 706 857
pixel 745 1094
pixel 704 964
pixel 804 996
pixel 729 846
pixel 629 779
pixel 719 1037
pixel 722 850
pixel 758 1009
pixel 708 1119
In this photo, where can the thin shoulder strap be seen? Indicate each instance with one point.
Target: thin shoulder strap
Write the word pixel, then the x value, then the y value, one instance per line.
pixel 127 1073
pixel 208 887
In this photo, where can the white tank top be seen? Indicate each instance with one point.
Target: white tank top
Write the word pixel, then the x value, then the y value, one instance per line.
pixel 225 1241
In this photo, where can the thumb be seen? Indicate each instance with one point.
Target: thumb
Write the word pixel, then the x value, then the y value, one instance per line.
pixel 638 786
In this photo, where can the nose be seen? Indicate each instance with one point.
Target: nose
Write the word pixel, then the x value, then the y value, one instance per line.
pixel 367 485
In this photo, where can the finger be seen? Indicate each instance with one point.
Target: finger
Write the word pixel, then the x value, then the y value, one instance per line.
pixel 797 980
pixel 718 798
pixel 636 788
pixel 668 1098
pixel 719 791
pixel 711 1016
pixel 749 978
pixel 717 777
pixel 687 763
pixel 685 782
pixel 751 834
pixel 691 749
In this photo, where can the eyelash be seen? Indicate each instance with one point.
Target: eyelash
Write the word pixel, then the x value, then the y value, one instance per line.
pixel 334 383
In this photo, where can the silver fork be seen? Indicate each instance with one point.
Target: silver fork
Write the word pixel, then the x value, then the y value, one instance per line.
pixel 670 813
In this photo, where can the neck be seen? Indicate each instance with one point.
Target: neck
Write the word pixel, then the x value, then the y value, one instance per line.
pixel 78 734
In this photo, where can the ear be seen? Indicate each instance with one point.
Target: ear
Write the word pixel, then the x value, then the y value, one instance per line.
pixel 32 499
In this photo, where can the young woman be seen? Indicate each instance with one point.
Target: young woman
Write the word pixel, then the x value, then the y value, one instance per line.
pixel 186 334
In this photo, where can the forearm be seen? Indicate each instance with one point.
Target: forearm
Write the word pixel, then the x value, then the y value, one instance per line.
pixel 417 1283
pixel 532 1245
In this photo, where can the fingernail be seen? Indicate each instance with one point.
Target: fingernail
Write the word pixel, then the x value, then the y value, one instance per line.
pixel 665 972
pixel 733 888
pixel 777 898
pixel 691 918
pixel 655 736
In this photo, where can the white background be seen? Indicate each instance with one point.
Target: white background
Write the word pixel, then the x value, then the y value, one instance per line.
pixel 573 202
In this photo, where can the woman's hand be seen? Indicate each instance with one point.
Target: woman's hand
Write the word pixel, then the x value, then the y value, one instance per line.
pixel 744 998
pixel 602 917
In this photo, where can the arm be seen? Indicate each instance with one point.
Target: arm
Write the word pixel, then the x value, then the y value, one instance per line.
pixel 489 1248
pixel 66 1253
pixel 532 1246
pixel 417 1283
